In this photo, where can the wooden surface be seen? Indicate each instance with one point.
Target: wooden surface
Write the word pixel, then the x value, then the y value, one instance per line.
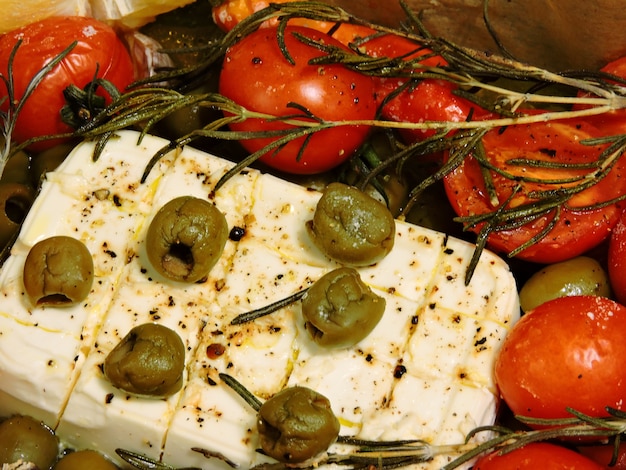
pixel 555 34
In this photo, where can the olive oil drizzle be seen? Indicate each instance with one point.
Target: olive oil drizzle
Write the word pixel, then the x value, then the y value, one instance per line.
pixel 475 72
pixel 398 454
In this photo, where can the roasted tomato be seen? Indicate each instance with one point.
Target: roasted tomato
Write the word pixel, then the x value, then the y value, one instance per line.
pixel 98 53
pixel 541 149
pixel 566 353
pixel 617 259
pixel 257 76
pixel 613 122
pixel 539 455
pixel 603 454
pixel 229 13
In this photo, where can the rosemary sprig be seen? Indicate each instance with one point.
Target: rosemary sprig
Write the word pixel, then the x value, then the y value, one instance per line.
pixel 354 453
pixel 473 71
pixel 9 117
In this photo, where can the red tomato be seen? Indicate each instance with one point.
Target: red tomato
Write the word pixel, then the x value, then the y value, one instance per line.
pixel 256 75
pixel 230 13
pixel 97 46
pixel 577 230
pixel 617 259
pixel 534 456
pixel 614 122
pixel 429 100
pixel 603 453
pixel 565 353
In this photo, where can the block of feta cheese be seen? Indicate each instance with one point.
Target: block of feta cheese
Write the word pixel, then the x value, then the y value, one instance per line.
pixel 424 373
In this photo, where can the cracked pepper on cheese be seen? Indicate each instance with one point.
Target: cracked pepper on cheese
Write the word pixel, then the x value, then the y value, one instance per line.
pixel 424 372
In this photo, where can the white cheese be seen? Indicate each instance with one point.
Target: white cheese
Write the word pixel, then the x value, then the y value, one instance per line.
pixel 425 372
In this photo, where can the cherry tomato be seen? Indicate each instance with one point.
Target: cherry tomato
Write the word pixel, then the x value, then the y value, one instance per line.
pixel 539 455
pixel 98 49
pixel 603 453
pixel 429 100
pixel 617 259
pixel 579 227
pixel 565 353
pixel 613 122
pixel 230 13
pixel 256 75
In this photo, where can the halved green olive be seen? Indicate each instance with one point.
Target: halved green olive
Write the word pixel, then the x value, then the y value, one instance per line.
pixel 340 310
pixel 22 437
pixel 84 459
pixel 15 200
pixel 352 227
pixel 577 276
pixel 186 239
pixel 149 361
pixel 58 272
pixel 296 424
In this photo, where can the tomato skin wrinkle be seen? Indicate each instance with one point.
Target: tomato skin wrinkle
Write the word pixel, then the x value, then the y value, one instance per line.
pixel 565 353
pixel 256 75
pixel 579 228
pixel 98 48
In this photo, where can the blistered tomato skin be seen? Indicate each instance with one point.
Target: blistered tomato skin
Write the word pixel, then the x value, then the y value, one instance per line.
pixel 584 220
pixel 256 75
pixel 539 455
pixel 617 259
pixel 98 49
pixel 565 353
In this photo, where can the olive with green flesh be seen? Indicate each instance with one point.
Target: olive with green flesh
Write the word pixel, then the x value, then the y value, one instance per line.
pixel 148 361
pixel 48 160
pixel 25 438
pixel 15 201
pixel 352 227
pixel 186 239
pixel 17 168
pixel 84 459
pixel 576 276
pixel 340 310
pixel 296 424
pixel 58 272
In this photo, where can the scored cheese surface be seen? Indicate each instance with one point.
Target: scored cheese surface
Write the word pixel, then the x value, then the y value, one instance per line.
pixel 425 372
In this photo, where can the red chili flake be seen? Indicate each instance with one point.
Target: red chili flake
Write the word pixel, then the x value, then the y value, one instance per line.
pixel 215 350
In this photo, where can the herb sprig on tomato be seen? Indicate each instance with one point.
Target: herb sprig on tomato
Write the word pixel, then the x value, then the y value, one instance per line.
pixel 492 112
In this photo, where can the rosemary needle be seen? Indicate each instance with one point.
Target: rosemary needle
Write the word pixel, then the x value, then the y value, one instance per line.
pixel 266 310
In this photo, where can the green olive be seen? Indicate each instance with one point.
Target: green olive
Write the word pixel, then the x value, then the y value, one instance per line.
pixel 49 160
pixel 84 459
pixel 296 424
pixel 340 310
pixel 58 272
pixel 15 200
pixel 17 169
pixel 25 438
pixel 186 238
pixel 577 276
pixel 352 227
pixel 148 361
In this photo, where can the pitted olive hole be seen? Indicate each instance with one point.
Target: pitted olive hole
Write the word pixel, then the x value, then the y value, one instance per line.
pixel 54 299
pixel 16 209
pixel 316 333
pixel 178 261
